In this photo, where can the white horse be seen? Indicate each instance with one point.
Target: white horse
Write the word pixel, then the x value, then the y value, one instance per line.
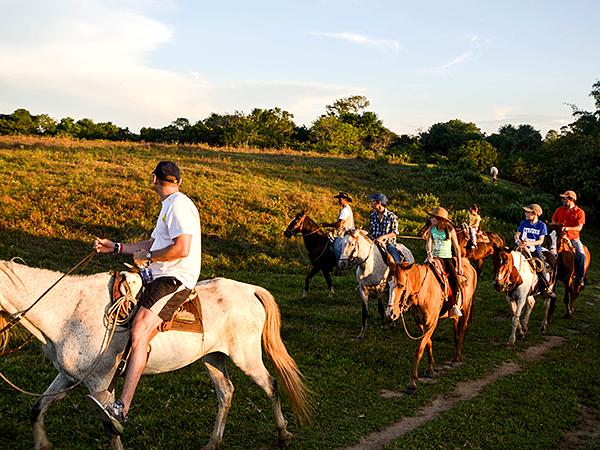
pixel 515 276
pixel 371 271
pixel 69 322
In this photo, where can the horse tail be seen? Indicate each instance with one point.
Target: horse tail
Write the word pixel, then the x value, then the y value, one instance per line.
pixel 293 380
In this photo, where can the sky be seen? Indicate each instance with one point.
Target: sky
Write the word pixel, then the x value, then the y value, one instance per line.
pixel 147 62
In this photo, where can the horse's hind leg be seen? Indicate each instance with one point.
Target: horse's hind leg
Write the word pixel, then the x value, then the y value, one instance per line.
pixel 254 367
pixel 327 275
pixel 39 409
pixel 312 273
pixel 215 366
pixel 364 298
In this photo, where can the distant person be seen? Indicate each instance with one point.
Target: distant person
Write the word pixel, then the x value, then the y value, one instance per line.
pixel 572 219
pixel 383 229
pixel 440 241
pixel 344 222
pixel 494 174
pixel 172 255
pixel 474 222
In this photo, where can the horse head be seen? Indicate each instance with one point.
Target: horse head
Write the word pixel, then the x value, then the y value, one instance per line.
pixel 506 275
pixel 558 239
pixel 400 290
pixel 353 253
pixel 295 226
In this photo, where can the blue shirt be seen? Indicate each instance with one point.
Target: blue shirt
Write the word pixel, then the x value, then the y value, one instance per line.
pixel 387 224
pixel 532 231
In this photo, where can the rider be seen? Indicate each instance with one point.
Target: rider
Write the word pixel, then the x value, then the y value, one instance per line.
pixel 572 219
pixel 530 234
pixel 344 222
pixel 383 229
pixel 440 240
pixel 474 221
pixel 173 257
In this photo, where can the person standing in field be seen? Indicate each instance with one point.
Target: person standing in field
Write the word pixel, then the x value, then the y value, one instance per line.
pixel 344 222
pixel 171 261
pixel 572 219
pixel 494 174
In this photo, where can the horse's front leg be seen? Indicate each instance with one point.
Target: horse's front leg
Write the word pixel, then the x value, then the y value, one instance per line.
pixel 516 307
pixel 39 409
pixel 528 311
pixel 431 362
pixel 549 305
pixel 311 274
pixel 327 275
pixel 217 371
pixel 567 299
pixel 411 388
pixel 364 298
pixel 381 308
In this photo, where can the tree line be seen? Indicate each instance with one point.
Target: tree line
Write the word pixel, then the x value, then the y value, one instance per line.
pixel 565 159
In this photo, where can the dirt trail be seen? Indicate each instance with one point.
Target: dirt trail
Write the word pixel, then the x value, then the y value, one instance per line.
pixel 465 390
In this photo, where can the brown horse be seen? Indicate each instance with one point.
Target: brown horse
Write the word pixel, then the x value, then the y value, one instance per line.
pixel 483 249
pixel 417 288
pixel 565 272
pixel 316 242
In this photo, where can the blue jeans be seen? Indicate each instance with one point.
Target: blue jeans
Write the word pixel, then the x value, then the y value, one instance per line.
pixel 337 248
pixel 579 258
pixel 400 253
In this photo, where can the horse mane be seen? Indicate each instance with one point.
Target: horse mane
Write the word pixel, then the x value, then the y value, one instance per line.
pixel 7 268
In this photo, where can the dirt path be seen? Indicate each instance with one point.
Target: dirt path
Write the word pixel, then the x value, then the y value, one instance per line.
pixel 465 390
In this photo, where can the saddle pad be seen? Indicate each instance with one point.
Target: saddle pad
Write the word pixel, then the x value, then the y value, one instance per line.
pixel 188 316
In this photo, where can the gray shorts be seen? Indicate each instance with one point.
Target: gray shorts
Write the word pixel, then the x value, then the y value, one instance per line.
pixel 163 296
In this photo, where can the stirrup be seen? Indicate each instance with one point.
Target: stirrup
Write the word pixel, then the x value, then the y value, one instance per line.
pixel 455 312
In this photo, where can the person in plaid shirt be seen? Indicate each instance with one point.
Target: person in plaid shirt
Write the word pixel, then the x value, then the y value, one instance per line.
pixel 383 229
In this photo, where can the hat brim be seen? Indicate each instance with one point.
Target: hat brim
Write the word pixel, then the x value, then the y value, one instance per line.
pixel 343 196
pixel 430 213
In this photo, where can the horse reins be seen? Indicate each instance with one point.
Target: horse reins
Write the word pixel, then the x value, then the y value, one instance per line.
pixel 114 310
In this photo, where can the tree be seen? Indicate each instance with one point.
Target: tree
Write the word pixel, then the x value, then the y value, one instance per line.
pixel 480 154
pixel 330 134
pixel 442 137
pixel 348 105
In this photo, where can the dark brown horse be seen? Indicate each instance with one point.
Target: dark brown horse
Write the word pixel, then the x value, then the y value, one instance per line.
pixel 565 272
pixel 319 250
pixel 417 288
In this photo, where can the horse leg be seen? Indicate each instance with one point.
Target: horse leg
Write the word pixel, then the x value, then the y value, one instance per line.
pixel 516 307
pixel 253 366
pixel 364 298
pixel 549 305
pixel 39 409
pixel 327 275
pixel 478 267
pixel 215 366
pixel 567 300
pixel 525 321
pixel 311 274
pixel 411 388
pixel 431 362
pixel 381 309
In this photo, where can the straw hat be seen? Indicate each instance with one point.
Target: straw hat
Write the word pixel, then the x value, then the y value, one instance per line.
pixel 440 213
pixel 534 208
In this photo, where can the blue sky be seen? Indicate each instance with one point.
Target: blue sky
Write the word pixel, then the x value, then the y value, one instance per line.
pixel 145 63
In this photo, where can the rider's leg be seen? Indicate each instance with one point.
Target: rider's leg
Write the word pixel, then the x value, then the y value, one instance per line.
pixel 473 236
pixel 579 260
pixel 394 253
pixel 454 284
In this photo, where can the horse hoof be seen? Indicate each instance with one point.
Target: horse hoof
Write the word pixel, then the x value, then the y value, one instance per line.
pixel 428 374
pixel 284 439
pixel 304 294
pixel 410 389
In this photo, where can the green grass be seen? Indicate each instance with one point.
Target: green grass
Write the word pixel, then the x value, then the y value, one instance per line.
pixel 59 194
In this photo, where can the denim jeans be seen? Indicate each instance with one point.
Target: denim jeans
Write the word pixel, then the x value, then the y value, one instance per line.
pixel 337 248
pixel 579 258
pixel 400 253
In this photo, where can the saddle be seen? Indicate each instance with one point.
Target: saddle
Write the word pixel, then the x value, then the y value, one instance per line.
pixel 439 270
pixel 188 316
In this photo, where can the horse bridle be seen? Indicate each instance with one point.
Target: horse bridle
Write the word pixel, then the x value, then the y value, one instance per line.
pixel 299 224
pixel 355 260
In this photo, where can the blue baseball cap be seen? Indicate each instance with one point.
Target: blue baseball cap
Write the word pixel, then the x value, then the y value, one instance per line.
pixel 379 197
pixel 167 171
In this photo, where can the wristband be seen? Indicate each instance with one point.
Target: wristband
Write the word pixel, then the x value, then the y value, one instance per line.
pixel 118 248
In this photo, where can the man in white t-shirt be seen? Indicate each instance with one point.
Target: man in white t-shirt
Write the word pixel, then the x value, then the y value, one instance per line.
pixel 171 262
pixel 344 222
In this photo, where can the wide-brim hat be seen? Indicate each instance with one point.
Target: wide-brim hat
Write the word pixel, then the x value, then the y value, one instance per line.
pixel 343 195
pixel 569 194
pixel 440 213
pixel 379 197
pixel 534 208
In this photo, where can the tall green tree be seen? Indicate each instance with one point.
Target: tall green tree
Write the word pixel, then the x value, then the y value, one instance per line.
pixel 444 136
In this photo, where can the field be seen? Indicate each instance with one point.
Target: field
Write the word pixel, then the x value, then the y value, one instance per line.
pixel 58 194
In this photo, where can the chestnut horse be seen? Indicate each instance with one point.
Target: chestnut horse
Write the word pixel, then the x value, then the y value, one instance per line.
pixel 417 288
pixel 319 249
pixel 565 272
pixel 484 249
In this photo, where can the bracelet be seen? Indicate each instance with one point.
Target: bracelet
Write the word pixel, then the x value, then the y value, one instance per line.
pixel 118 248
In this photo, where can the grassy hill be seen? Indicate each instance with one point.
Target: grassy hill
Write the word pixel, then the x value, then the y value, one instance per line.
pixel 58 194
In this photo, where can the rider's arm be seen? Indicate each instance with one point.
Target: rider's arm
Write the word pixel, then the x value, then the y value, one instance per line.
pixel 180 248
pixel 107 246
pixel 577 228
pixel 428 244
pixel 456 251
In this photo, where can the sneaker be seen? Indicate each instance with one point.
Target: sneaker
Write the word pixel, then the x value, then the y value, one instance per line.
pixel 582 282
pixel 111 414
pixel 455 312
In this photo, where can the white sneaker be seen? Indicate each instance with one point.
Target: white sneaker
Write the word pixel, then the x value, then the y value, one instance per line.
pixel 455 312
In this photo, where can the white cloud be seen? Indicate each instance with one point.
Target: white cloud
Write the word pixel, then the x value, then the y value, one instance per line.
pixel 91 59
pixel 390 45
pixel 468 55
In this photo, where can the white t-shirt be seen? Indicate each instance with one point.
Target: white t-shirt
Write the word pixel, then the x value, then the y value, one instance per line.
pixel 348 217
pixel 178 216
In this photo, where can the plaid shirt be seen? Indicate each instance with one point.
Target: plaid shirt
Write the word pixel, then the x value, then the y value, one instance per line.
pixel 388 223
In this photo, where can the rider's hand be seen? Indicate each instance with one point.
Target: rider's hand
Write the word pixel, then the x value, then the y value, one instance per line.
pixel 379 240
pixel 103 245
